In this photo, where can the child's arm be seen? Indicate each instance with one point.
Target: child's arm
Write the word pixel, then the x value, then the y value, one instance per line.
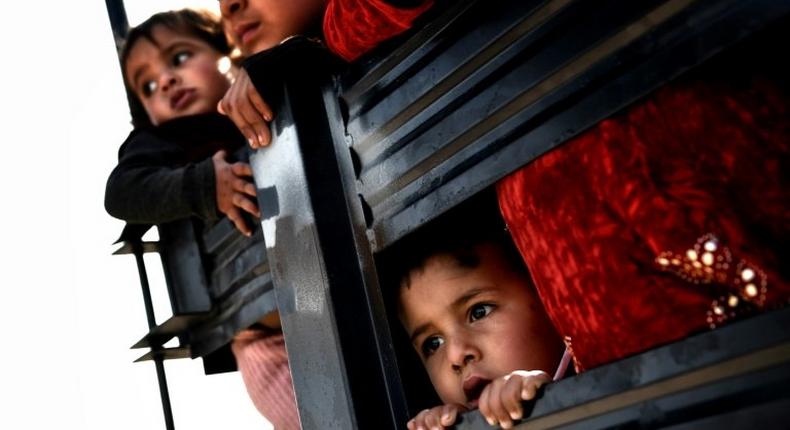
pixel 436 417
pixel 234 189
pixel 152 184
pixel 500 401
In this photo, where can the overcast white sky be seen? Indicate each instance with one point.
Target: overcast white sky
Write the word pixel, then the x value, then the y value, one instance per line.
pixel 70 310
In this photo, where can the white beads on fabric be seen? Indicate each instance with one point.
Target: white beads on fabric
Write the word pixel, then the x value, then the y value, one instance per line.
pixel 708 262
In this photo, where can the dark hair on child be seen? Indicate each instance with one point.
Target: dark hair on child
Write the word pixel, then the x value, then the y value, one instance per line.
pixel 457 234
pixel 201 24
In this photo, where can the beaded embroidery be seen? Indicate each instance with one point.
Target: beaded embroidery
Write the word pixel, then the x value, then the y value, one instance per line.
pixel 708 262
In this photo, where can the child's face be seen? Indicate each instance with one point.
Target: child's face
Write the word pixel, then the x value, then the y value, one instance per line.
pixel 256 25
pixel 472 325
pixel 175 75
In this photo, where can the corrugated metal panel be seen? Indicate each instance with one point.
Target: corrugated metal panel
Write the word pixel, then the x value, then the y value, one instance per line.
pixel 499 83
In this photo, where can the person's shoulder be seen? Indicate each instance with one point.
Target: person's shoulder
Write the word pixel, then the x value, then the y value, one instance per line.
pixel 145 140
pixel 185 128
pixel 140 136
pixel 186 138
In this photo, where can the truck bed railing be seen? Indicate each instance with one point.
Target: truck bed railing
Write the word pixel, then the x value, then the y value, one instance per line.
pixel 410 131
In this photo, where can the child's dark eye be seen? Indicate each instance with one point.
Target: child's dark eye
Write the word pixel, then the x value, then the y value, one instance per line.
pixel 479 311
pixel 180 57
pixel 430 345
pixel 148 88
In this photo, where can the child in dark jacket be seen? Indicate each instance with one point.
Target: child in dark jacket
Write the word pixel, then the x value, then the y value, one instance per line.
pixel 161 162
pixel 174 164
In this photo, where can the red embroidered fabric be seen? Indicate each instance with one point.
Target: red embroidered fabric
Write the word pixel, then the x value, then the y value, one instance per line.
pixel 591 217
pixel 354 27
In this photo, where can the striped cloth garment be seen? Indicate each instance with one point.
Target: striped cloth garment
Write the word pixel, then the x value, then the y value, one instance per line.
pixel 263 364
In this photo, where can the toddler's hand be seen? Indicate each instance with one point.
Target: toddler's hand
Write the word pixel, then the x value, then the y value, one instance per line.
pixel 436 418
pixel 233 187
pixel 500 401
pixel 247 109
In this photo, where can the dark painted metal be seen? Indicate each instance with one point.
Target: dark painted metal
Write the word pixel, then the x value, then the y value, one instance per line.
pixel 147 247
pixel 219 361
pixel 116 12
pixel 182 263
pixel 317 366
pixel 175 326
pixel 133 233
pixel 739 368
pixel 162 353
pixel 372 300
pixel 239 284
pixel 341 357
pixel 132 244
pixel 248 304
pixel 149 313
pixel 185 280
pixel 218 283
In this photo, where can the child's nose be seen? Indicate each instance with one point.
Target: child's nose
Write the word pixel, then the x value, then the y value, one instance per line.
pixel 461 353
pixel 167 80
pixel 229 7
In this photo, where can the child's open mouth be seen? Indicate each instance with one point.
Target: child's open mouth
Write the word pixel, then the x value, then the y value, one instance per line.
pixel 473 387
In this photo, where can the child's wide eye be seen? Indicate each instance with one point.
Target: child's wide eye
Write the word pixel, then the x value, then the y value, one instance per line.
pixel 180 57
pixel 148 88
pixel 479 311
pixel 431 344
